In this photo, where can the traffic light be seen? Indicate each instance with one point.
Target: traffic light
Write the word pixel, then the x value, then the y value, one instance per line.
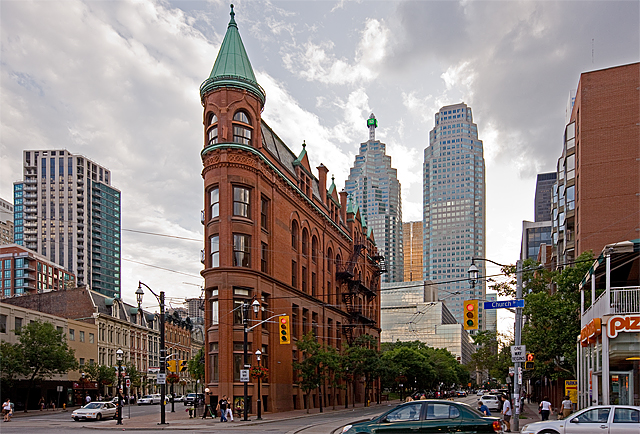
pixel 183 365
pixel 470 315
pixel 285 335
pixel 171 366
pixel 528 366
pixel 530 357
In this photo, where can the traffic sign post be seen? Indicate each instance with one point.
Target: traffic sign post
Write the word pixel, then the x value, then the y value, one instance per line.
pixel 161 378
pixel 244 375
pixel 518 353
pixel 503 304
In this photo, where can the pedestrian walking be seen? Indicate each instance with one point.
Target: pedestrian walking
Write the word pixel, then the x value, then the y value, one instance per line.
pixel 545 408
pixel 6 410
pixel 87 399
pixel 229 413
pixel 506 412
pixel 222 408
pixel 483 409
pixel 41 403
pixel 566 407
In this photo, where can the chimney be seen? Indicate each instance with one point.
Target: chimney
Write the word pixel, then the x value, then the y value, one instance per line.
pixel 343 206
pixel 322 182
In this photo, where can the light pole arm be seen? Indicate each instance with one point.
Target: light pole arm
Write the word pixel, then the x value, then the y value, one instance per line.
pixel 154 294
pixel 488 260
pixel 265 320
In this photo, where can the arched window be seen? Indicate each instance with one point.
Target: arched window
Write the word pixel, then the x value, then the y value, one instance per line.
pixel 213 130
pixel 330 261
pixel 338 265
pixel 314 248
pixel 305 242
pixel 294 235
pixel 241 128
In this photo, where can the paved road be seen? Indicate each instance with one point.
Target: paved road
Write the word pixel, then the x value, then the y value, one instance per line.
pixel 144 419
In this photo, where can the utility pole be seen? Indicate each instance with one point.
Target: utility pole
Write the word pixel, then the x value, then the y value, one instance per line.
pixel 517 378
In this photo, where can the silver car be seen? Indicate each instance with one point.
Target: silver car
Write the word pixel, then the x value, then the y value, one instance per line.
pixel 601 419
pixel 95 410
pixel 492 402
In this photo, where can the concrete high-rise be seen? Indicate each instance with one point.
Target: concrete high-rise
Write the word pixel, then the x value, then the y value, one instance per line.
pixel 66 210
pixel 454 207
pixel 374 186
pixel 595 198
pixel 6 222
pixel 412 240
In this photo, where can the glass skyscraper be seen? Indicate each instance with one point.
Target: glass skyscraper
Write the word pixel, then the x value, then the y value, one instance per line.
pixel 454 208
pixel 374 186
pixel 66 210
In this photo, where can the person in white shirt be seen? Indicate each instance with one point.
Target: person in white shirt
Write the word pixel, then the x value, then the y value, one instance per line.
pixel 545 408
pixel 506 412
pixel 566 406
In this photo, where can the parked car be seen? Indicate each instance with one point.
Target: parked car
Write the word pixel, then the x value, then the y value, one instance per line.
pixel 611 419
pixel 150 399
pixel 461 393
pixel 192 398
pixel 492 402
pixel 179 398
pixel 95 410
pixel 428 416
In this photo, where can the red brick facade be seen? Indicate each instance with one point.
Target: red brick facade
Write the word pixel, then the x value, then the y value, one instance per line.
pixel 284 240
pixel 607 117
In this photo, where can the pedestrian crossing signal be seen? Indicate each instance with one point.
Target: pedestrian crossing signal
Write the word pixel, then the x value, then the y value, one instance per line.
pixel 528 366
pixel 470 320
pixel 285 335
pixel 530 357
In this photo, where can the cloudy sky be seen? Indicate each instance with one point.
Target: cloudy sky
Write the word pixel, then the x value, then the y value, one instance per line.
pixel 118 82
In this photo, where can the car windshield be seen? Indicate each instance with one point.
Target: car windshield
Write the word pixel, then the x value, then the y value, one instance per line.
pixel 93 405
pixel 147 397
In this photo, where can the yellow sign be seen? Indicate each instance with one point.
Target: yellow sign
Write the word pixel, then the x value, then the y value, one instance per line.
pixel 571 389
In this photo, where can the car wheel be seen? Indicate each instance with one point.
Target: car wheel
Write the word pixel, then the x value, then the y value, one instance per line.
pixel 77 419
pixel 99 416
pixel 549 431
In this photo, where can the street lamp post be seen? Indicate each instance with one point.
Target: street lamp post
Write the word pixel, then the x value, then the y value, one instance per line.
pixel 119 353
pixel 473 278
pixel 245 324
pixel 258 354
pixel 82 398
pixel 163 361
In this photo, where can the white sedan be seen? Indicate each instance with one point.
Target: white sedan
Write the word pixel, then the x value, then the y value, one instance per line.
pixel 95 410
pixel 492 402
pixel 601 419
pixel 150 399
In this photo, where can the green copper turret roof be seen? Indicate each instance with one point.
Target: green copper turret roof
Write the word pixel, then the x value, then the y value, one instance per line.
pixel 232 67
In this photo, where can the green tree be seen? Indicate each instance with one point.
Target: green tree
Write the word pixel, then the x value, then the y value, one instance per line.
pixel 363 358
pixel 334 373
pixel 490 355
pixel 195 366
pixel 45 353
pixel 310 375
pixel 11 363
pixel 552 306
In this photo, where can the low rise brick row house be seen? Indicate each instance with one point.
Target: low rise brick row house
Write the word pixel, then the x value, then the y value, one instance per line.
pixel 277 238
pixel 104 325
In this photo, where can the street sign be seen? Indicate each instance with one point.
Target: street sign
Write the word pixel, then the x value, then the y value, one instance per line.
pixel 244 375
pixel 127 382
pixel 161 378
pixel 512 370
pixel 518 353
pixel 503 304
pixel 60 388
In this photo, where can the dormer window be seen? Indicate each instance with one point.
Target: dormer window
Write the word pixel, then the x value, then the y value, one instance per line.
pixel 213 129
pixel 241 128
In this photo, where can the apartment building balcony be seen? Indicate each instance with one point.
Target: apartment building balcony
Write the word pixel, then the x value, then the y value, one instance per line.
pixel 31 239
pixel 31 202
pixel 617 263
pixel 31 195
pixel 30 188
pixel 31 217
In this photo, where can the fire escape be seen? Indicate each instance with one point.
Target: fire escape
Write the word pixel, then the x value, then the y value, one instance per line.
pixel 353 287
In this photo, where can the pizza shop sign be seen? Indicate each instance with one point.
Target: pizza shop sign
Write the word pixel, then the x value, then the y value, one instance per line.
pixel 622 323
pixel 589 333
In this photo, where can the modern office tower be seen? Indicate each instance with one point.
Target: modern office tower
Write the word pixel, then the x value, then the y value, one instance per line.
pixel 595 198
pixel 544 189
pixel 66 210
pixel 6 222
pixel 374 186
pixel 454 207
pixel 412 246
pixel 491 315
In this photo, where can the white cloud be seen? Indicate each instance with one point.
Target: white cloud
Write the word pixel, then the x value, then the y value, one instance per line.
pixel 315 61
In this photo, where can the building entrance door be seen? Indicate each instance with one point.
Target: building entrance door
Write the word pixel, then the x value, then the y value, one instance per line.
pixel 621 388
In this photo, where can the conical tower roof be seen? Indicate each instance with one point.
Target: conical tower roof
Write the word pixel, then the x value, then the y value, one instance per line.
pixel 232 67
